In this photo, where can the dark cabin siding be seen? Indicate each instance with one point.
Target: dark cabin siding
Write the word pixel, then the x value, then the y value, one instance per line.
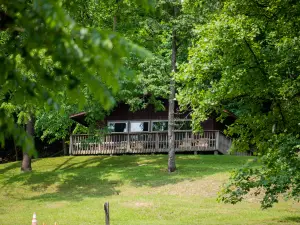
pixel 208 124
pixel 122 112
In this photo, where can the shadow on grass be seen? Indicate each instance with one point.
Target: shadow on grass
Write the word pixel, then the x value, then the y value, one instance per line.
pixel 293 219
pixel 75 179
pixel 10 166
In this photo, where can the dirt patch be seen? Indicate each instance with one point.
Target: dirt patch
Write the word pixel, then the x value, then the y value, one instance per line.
pixel 206 187
pixel 254 196
pixel 143 204
pixel 138 204
pixel 55 205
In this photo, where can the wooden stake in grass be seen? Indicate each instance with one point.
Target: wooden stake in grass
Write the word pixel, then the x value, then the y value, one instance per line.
pixel 106 210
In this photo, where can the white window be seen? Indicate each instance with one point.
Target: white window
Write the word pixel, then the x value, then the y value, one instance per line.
pixel 118 127
pixel 161 125
pixel 139 126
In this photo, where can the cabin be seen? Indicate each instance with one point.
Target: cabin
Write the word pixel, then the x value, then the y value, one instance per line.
pixel 146 131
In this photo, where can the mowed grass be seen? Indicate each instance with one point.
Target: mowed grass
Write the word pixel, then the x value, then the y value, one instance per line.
pixel 72 190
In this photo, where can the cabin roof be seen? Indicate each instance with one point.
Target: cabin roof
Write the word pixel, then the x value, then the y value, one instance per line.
pixel 79 117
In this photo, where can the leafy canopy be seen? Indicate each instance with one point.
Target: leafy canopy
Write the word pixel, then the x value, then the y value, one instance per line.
pixel 246 59
pixel 43 51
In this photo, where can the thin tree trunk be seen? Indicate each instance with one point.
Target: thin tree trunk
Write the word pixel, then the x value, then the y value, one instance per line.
pixel 171 121
pixel 115 23
pixel 171 124
pixel 115 16
pixel 26 162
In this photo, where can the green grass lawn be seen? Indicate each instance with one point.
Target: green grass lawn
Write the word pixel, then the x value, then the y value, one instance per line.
pixel 72 190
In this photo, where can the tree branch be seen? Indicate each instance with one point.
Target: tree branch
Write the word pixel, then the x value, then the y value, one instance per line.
pixel 281 113
pixel 255 58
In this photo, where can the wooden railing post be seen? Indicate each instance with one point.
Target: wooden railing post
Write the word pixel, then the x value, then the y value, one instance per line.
pixel 128 143
pixel 71 145
pixel 156 141
pixel 217 140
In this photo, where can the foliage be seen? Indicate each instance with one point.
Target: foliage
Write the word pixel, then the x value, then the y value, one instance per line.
pixel 151 75
pixel 53 125
pixel 279 174
pixel 43 51
pixel 245 59
pixel 153 31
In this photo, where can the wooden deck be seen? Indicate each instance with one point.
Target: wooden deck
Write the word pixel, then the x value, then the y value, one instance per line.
pixel 148 142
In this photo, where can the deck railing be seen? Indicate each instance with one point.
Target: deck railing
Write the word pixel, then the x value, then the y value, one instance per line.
pixel 224 143
pixel 147 142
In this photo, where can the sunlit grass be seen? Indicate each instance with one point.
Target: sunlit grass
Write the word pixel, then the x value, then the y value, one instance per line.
pixel 72 190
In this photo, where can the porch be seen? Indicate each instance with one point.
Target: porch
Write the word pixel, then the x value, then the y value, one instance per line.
pixel 148 142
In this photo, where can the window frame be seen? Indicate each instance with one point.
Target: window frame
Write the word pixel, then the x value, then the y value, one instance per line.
pixel 153 121
pixel 140 121
pixel 150 125
pixel 119 121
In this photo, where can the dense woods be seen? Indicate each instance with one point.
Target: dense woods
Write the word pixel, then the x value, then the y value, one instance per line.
pixel 60 57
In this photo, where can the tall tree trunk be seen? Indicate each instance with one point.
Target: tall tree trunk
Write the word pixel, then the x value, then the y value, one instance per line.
pixel 171 121
pixel 115 16
pixel 115 23
pixel 26 162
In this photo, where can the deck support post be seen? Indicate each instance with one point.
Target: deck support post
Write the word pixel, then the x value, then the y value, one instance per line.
pixel 128 143
pixel 195 153
pixel 217 140
pixel 99 144
pixel 71 145
pixel 156 141
pixel 216 153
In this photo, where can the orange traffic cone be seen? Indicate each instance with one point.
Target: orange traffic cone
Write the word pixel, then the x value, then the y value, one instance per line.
pixel 34 221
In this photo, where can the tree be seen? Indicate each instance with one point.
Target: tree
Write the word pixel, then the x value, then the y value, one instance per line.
pixel 23 117
pixel 44 52
pixel 26 162
pixel 161 33
pixel 165 32
pixel 244 59
pixel 168 31
pixel 54 125
pixel 171 120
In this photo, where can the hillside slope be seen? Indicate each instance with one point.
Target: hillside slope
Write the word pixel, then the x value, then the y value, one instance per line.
pixel 72 190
